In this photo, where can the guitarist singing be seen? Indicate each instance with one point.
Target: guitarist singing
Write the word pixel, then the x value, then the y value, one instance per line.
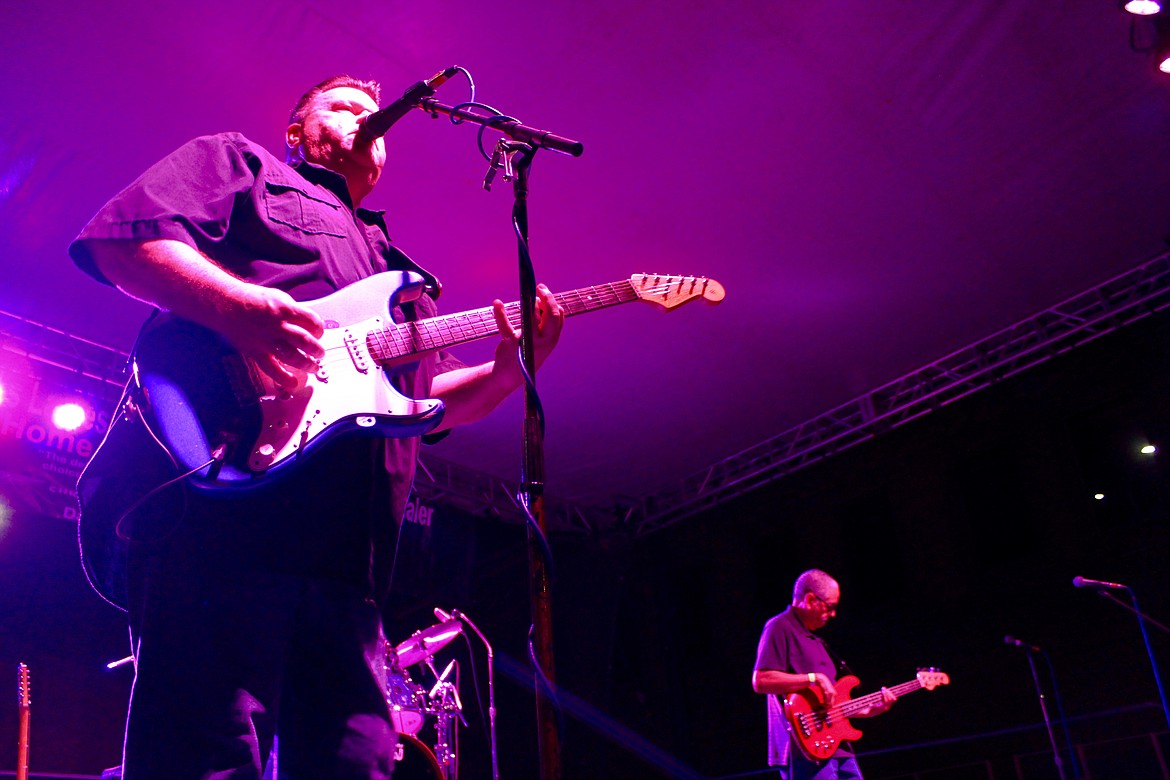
pixel 791 658
pixel 256 614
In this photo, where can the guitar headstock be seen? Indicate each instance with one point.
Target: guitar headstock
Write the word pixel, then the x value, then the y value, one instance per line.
pixel 932 678
pixel 671 291
pixel 23 687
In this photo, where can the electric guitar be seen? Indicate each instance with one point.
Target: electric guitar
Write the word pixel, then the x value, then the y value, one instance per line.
pixel 818 730
pixel 24 700
pixel 230 428
pixel 229 424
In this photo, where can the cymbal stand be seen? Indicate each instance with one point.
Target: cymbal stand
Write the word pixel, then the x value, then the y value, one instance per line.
pixel 491 670
pixel 448 710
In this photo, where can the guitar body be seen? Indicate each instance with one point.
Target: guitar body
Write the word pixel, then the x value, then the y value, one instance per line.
pixel 208 403
pixel 818 731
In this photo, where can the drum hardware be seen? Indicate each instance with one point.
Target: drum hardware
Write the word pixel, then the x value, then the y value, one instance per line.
pixel 447 706
pixel 457 615
pixel 410 703
pixel 120 662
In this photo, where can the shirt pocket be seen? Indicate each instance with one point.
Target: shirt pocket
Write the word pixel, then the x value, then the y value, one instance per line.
pixel 302 211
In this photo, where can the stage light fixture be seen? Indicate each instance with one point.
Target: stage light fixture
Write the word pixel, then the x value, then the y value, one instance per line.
pixel 1099 496
pixel 69 416
pixel 1148 449
pixel 1143 7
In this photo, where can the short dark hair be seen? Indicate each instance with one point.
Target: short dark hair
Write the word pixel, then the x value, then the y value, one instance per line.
pixel 301 109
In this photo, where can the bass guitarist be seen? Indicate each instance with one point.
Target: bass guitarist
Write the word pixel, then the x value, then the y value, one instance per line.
pixel 792 658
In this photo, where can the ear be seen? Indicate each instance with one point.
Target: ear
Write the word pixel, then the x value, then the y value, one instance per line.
pixel 293 135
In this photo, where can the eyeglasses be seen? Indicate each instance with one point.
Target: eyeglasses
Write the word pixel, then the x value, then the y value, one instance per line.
pixel 829 607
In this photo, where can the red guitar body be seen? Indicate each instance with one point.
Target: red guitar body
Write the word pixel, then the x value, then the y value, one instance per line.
pixel 816 731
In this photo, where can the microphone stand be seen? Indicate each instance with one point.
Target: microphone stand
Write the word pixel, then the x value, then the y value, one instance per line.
pixel 1044 710
pixel 1142 620
pixel 515 157
pixel 532 484
pixel 491 665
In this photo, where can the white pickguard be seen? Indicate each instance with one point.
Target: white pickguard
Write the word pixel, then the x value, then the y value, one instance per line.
pixel 349 390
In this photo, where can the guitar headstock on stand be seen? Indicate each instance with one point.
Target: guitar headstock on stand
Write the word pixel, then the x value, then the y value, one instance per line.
pixel 24 690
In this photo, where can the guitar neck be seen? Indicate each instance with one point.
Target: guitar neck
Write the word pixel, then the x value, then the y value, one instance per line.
pixel 411 339
pixel 853 706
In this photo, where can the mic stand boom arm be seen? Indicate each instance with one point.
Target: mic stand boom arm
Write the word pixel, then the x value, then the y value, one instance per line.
pixel 536 138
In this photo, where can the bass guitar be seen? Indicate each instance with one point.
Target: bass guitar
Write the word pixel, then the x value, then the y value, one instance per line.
pixel 819 730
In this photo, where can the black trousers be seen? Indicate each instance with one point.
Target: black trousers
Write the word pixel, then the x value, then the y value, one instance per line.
pixel 231 662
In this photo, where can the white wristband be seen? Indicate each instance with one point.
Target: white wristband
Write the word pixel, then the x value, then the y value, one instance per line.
pixel 812 678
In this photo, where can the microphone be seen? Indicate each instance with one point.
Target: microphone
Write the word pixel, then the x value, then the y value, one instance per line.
pixel 1011 640
pixel 444 615
pixel 375 125
pixel 1085 582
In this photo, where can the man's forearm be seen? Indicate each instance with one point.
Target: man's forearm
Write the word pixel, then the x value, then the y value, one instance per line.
pixel 470 393
pixel 782 683
pixel 170 275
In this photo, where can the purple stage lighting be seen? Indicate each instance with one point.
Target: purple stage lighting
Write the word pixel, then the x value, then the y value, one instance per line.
pixel 69 416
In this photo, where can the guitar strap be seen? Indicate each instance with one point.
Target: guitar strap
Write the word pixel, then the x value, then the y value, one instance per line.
pixel 842 667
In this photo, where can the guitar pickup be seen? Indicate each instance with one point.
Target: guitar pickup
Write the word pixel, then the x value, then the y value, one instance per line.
pixel 357 351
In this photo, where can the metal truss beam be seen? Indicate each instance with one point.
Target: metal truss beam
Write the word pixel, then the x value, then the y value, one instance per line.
pixel 71 354
pixel 1103 309
pixel 480 493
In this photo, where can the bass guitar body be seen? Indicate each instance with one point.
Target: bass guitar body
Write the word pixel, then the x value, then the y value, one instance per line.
pixel 816 730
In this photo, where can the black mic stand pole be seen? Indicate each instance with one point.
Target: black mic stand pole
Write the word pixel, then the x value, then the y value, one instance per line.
pixel 1072 750
pixel 532 484
pixel 1142 620
pixel 1044 711
pixel 515 158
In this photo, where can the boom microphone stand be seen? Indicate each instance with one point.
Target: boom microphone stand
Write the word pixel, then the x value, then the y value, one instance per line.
pixel 1102 588
pixel 1031 650
pixel 515 158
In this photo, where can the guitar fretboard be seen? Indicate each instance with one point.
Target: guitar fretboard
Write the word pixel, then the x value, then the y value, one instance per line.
pixel 853 706
pixel 415 338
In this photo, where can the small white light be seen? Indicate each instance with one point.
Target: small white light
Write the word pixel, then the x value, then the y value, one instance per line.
pixel 69 417
pixel 1143 7
pixel 1 394
pixel 1099 496
pixel 1149 449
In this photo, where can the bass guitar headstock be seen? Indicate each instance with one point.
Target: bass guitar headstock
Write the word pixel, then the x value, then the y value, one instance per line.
pixel 932 678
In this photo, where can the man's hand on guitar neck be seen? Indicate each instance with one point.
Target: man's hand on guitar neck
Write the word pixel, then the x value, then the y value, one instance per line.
pixel 888 699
